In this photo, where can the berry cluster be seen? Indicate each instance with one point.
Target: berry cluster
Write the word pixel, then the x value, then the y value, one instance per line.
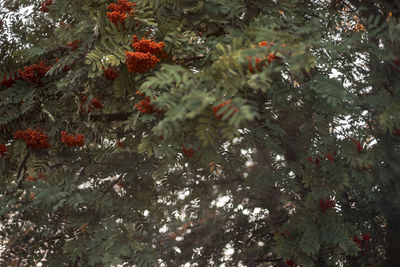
pixel 362 243
pixel 358 144
pixel 330 157
pixel 265 43
pixel 73 45
pixel 8 82
pixel 110 74
pixel 271 57
pixel 290 262
pixel 95 104
pixel 119 11
pixel 138 62
pixel 39 176
pixel 70 140
pixel 3 150
pixel 260 61
pixel 121 144
pixel 34 73
pixel 188 152
pixel 326 204
pixel 258 65
pixel 65 68
pixel 33 138
pixel 145 106
pixel 146 55
pixel 217 108
pixel 44 6
pixel 148 46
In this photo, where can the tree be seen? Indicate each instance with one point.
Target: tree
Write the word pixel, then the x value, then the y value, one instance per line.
pixel 205 132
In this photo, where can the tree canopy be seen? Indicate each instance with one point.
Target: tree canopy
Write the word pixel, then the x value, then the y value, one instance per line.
pixel 200 133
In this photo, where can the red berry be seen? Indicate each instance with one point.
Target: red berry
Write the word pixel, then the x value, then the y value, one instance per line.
pixel 70 140
pixel 43 6
pixel 366 237
pixel 121 144
pixel 34 73
pixel 119 11
pixel 110 74
pixel 217 108
pixel 95 104
pixel 8 83
pixel 33 138
pixel 188 152
pixel 290 263
pixel 3 150
pixel 148 46
pixel 73 44
pixel 359 147
pixel 330 157
pixel 326 204
pixel 139 62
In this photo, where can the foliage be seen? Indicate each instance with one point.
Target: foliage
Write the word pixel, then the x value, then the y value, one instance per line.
pixel 179 131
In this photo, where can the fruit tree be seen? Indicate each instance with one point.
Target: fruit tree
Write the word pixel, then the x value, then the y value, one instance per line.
pixel 199 133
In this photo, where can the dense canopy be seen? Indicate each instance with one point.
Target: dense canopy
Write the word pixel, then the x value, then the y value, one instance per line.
pixel 199 133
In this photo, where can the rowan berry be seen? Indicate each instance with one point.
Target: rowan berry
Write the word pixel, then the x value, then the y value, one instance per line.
pixel 73 45
pixel 34 73
pixel 44 6
pixel 33 138
pixel 290 262
pixel 362 243
pixel 271 58
pixel 70 140
pixel 258 64
pixel 264 43
pixel 3 150
pixel 94 104
pixel 188 152
pixel 330 157
pixel 121 144
pixel 217 108
pixel 260 61
pixel 326 204
pixel 35 179
pixel 147 46
pixel 110 73
pixel 366 237
pixel 119 11
pixel 145 106
pixel 138 62
pixel 31 178
pixel 65 68
pixel 8 82
pixel 359 147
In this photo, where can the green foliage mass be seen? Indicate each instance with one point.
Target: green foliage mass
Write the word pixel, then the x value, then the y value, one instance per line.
pixel 285 154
